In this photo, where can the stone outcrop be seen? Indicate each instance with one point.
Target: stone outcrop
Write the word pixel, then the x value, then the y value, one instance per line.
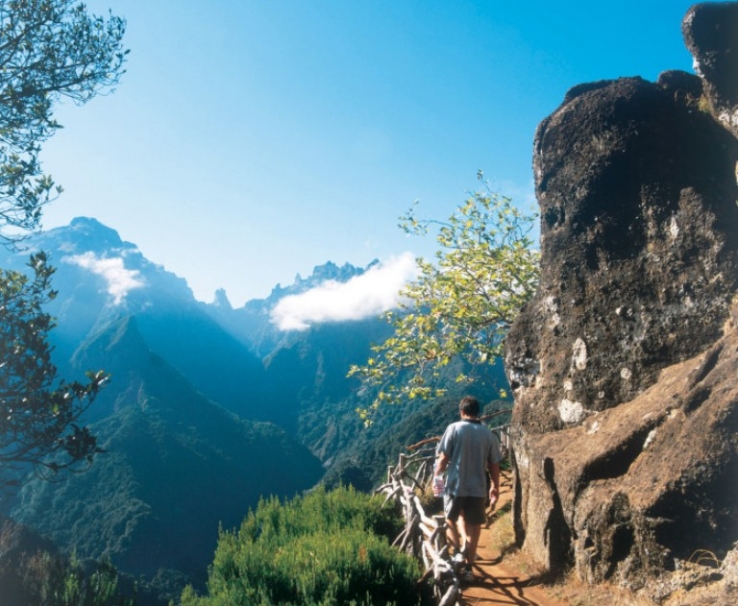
pixel 633 490
pixel 710 32
pixel 624 364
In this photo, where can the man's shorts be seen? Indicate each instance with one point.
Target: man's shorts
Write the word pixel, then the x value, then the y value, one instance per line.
pixel 473 509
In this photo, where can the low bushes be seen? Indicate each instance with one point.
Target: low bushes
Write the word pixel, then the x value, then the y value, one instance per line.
pixel 321 549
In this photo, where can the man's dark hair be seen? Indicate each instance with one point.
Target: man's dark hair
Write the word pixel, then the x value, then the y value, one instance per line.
pixel 469 406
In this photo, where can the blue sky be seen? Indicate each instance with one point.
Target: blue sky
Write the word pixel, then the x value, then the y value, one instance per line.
pixel 250 141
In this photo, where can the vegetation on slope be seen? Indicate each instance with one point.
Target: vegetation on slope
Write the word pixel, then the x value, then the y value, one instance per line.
pixel 32 571
pixel 319 549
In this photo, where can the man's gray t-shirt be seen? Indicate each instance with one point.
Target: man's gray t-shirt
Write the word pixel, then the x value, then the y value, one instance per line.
pixel 470 447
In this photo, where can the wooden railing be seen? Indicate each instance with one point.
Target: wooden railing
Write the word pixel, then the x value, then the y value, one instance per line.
pixel 424 536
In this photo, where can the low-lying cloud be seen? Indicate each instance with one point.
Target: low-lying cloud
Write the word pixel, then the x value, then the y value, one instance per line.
pixel 375 291
pixel 120 281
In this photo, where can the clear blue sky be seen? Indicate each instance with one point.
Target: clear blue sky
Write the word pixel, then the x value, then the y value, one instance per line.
pixel 251 140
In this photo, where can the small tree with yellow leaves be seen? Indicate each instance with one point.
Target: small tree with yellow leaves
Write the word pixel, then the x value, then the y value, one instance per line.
pixel 460 306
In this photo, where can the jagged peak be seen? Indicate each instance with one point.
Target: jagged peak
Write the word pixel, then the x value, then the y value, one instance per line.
pixel 87 245
pixel 321 273
pixel 92 234
pixel 221 299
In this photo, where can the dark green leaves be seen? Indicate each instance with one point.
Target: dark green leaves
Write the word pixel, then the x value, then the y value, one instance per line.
pixel 48 49
pixel 37 412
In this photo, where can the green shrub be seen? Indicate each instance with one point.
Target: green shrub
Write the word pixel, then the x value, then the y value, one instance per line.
pixel 322 549
pixel 52 580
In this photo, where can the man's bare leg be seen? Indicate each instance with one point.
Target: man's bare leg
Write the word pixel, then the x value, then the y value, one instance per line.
pixel 463 538
pixel 472 531
pixel 453 535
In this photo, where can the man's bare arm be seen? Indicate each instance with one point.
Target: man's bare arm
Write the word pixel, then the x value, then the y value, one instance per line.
pixel 494 489
pixel 441 463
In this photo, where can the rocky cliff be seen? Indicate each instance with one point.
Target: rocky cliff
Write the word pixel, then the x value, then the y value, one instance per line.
pixel 624 364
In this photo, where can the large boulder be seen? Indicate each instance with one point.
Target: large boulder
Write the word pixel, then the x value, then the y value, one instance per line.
pixel 623 365
pixel 635 490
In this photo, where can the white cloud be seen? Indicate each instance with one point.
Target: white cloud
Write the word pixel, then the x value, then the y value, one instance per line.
pixel 119 279
pixel 370 294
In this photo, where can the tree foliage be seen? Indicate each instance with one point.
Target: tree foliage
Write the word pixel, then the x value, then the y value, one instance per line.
pixel 320 549
pixel 461 305
pixel 43 578
pixel 34 572
pixel 38 414
pixel 49 49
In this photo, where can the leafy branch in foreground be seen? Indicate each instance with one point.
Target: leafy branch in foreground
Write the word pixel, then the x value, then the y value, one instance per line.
pixel 38 414
pixel 462 305
pixel 49 49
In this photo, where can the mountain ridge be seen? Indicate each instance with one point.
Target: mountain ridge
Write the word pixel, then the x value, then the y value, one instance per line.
pixel 175 467
pixel 208 407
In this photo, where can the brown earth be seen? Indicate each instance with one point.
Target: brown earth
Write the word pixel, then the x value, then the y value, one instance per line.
pixel 498 581
pixel 505 576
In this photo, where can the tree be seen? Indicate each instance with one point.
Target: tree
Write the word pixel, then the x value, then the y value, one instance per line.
pixel 49 49
pixel 38 413
pixel 462 305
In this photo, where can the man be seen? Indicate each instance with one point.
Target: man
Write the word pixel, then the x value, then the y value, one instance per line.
pixel 466 452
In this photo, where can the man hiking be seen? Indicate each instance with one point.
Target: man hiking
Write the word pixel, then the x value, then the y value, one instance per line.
pixel 466 452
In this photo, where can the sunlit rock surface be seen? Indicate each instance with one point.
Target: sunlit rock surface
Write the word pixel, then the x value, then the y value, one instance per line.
pixel 624 364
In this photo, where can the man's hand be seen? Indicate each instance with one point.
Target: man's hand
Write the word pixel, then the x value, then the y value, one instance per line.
pixel 494 493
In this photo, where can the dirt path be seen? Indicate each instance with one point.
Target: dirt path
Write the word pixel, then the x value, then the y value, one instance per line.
pixel 497 583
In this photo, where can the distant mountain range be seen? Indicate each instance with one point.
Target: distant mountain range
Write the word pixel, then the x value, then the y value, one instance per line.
pixel 208 408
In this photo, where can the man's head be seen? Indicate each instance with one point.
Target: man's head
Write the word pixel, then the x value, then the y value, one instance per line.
pixel 469 407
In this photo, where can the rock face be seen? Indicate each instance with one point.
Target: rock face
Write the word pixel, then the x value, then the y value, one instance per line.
pixel 624 364
pixel 711 34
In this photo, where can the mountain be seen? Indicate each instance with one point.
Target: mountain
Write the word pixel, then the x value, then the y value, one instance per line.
pixel 101 279
pixel 308 371
pixel 208 408
pixel 176 463
pixel 252 324
pixel 175 467
pixel 363 460
pixel 235 357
